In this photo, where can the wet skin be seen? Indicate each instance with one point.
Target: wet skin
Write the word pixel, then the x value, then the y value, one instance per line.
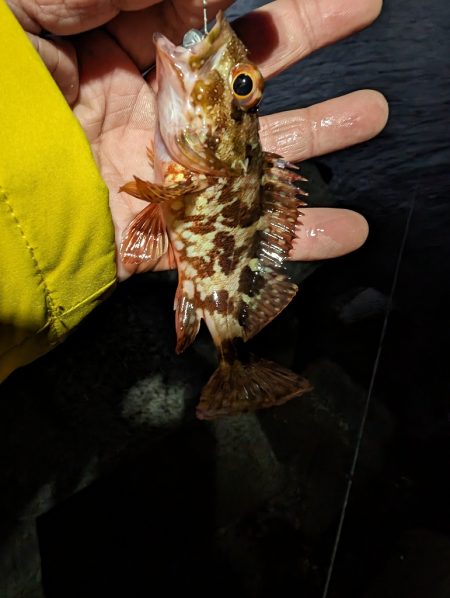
pixel 99 74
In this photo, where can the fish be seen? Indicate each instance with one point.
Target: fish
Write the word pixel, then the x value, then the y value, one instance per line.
pixel 227 212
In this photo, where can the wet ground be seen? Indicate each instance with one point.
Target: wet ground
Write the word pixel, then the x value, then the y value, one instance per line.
pixel 110 486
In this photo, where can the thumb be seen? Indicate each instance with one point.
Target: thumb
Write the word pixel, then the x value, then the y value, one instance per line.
pixel 60 58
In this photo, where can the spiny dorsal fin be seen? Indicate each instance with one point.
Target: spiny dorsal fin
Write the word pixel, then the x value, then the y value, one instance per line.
pixel 265 289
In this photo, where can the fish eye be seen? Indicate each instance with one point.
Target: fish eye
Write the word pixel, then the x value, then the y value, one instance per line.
pixel 247 85
pixel 242 85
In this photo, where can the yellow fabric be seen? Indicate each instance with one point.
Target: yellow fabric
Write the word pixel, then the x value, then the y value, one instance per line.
pixel 56 235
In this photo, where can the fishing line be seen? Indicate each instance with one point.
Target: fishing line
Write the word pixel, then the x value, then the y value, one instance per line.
pixel 369 396
pixel 205 17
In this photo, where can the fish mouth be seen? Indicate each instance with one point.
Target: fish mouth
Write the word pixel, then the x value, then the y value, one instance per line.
pixel 196 53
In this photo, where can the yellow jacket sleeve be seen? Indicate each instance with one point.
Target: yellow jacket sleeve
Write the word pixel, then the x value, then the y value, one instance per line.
pixel 57 257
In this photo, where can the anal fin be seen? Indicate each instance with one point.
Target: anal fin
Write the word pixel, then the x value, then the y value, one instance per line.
pixel 187 320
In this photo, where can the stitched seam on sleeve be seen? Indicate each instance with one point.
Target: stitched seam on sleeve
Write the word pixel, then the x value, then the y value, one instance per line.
pixel 53 323
pixel 98 293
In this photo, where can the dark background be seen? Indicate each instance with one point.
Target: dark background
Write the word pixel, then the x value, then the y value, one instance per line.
pixel 111 487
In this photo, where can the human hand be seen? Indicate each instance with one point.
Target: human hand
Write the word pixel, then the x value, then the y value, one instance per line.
pixel 99 74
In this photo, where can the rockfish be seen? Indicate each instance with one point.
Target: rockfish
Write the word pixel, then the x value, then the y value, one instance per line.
pixel 228 211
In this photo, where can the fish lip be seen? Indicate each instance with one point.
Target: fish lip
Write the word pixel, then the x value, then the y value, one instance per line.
pixel 165 47
pixel 166 57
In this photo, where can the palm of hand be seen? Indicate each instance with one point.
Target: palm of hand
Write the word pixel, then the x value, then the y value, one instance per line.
pixel 116 108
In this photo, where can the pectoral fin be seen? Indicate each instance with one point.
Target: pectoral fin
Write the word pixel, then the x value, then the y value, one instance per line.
pixel 145 238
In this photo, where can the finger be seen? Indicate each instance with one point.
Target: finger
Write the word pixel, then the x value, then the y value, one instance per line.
pixel 328 232
pixel 323 233
pixel 282 32
pixel 133 31
pixel 61 60
pixel 325 127
pixel 67 18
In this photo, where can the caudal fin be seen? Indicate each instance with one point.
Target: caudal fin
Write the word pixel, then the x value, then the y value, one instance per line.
pixel 257 384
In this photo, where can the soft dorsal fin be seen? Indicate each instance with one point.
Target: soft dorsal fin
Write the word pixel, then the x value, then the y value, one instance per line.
pixel 145 238
pixel 265 288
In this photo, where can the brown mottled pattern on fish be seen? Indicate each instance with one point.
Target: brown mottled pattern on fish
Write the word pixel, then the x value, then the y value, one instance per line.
pixel 229 210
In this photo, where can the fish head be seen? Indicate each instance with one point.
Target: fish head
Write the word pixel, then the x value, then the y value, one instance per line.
pixel 207 99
